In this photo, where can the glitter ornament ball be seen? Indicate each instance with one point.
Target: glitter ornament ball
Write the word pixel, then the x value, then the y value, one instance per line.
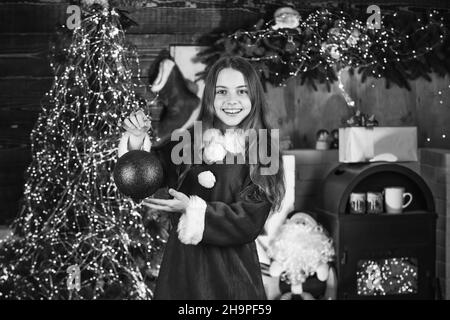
pixel 138 174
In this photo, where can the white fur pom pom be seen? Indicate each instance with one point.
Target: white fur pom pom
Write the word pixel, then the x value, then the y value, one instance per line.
pixel 214 152
pixel 211 135
pixel 235 141
pixel 207 179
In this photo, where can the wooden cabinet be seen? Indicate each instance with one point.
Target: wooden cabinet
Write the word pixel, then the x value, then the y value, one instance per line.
pixel 388 256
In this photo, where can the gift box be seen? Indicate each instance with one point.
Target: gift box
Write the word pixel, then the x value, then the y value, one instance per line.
pixel 369 144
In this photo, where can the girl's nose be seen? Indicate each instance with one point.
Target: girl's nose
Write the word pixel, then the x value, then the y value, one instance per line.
pixel 232 98
pixel 232 102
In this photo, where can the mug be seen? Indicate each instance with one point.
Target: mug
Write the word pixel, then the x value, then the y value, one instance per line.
pixel 394 198
pixel 374 202
pixel 357 203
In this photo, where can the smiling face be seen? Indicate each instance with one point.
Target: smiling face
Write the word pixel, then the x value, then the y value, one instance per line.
pixel 231 101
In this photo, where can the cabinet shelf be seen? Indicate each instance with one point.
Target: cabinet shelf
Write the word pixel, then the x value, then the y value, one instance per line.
pixel 385 215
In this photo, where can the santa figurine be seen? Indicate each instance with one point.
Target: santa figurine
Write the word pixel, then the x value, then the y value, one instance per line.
pixel 322 142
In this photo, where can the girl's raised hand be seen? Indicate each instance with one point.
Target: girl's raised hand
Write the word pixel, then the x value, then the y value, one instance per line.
pixel 137 123
pixel 179 203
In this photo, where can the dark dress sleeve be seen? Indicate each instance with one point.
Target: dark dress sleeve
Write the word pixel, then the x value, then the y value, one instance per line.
pixel 236 223
pixel 170 169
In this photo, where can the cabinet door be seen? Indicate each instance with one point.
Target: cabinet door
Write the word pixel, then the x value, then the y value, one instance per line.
pixel 404 272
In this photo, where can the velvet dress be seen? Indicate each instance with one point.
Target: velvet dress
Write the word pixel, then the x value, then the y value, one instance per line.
pixel 224 264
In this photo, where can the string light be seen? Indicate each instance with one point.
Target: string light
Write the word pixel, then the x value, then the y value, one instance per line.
pixel 392 276
pixel 72 212
pixel 350 102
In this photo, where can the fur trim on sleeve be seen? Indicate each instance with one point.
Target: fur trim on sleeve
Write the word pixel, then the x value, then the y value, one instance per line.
pixel 192 222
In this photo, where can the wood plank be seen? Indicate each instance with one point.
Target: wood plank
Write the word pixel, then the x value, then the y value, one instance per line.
pixel 32 17
pixel 277 115
pixel 27 54
pixel 26 93
pixel 25 65
pixel 17 118
pixel 23 92
pixel 18 135
pixel 24 55
pixel 435 4
pixel 392 107
pixel 191 20
pixel 291 104
pixel 321 109
pixel 433 116
pixel 24 43
pixel 44 17
pixel 162 39
pixel 14 156
pixel 140 4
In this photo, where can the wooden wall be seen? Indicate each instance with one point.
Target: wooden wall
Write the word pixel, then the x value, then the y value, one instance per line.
pixel 301 111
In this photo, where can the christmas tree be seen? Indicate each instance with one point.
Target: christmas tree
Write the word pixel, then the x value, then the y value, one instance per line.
pixel 76 236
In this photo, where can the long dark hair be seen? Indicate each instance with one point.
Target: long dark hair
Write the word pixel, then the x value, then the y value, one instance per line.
pixel 273 185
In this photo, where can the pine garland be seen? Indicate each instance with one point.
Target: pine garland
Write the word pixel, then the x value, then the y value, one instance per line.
pixel 409 45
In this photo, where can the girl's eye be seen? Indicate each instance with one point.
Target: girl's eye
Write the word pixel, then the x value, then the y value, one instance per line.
pixel 243 91
pixel 220 91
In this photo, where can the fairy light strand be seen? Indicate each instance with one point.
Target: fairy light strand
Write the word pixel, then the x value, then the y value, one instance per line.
pixel 391 276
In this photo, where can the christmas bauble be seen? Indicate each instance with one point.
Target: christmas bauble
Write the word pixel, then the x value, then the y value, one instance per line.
pixel 138 174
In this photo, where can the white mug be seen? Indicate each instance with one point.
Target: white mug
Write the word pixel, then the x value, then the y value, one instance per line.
pixel 394 198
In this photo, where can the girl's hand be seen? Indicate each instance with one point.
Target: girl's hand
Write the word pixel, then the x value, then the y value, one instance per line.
pixel 179 203
pixel 137 124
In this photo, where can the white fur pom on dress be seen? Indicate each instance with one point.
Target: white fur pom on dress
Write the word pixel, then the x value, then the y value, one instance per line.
pixel 206 179
pixel 214 152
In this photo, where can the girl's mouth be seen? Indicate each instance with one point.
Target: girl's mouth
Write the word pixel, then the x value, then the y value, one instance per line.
pixel 232 110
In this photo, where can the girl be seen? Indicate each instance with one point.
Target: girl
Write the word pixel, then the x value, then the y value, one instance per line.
pixel 218 209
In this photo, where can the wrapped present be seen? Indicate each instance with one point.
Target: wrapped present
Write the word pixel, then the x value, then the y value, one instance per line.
pixel 369 144
pixel 360 119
